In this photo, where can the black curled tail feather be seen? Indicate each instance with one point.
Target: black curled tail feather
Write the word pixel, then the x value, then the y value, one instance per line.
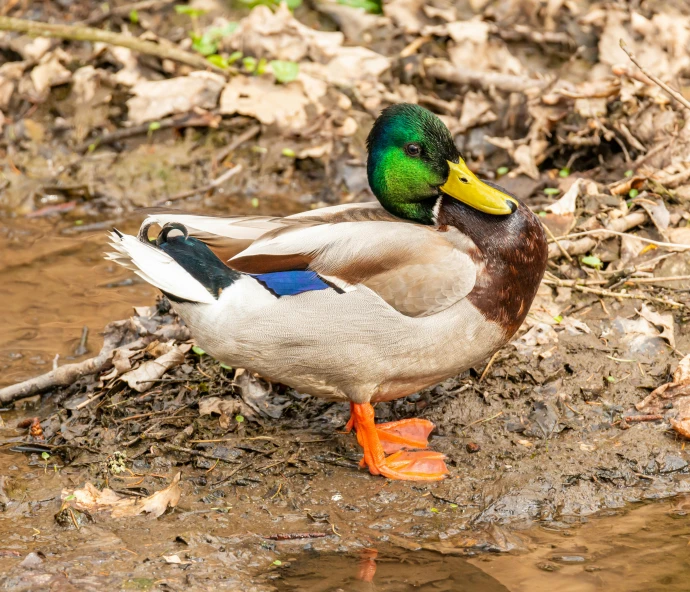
pixel 195 257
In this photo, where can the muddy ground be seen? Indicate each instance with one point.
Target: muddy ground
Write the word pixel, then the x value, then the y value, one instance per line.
pixel 551 431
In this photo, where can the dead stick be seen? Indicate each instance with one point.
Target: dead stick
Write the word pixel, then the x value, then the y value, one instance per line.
pixel 212 185
pixel 610 294
pixel 678 246
pixel 665 87
pixel 634 418
pixel 62 376
pixel 245 136
pixel 80 33
pixel 444 70
pixel 126 10
pixel 561 248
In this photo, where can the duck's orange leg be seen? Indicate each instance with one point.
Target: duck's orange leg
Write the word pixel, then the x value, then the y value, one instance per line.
pixel 422 465
pixel 395 435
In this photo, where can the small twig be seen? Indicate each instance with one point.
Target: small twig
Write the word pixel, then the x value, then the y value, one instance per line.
pixel 488 366
pixel 81 33
pixel 212 185
pixel 484 420
pixel 186 120
pixel 665 87
pixel 666 245
pixel 292 536
pixel 126 10
pixel 444 70
pixel 654 280
pixel 638 418
pixel 197 453
pixel 560 246
pixel 245 136
pixel 610 294
pixel 63 376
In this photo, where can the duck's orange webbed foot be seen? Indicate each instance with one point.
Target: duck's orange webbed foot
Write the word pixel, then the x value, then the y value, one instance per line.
pixel 395 435
pixel 375 440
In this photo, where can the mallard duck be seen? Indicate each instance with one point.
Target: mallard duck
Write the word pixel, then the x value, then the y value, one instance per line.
pixel 362 302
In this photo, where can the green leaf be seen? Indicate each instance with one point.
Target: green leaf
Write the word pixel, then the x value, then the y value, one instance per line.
pixel 255 202
pixel 217 60
pixel 78 222
pixel 45 455
pixel 69 498
pixel 189 11
pixel 207 43
pixel 289 152
pixel 628 173
pixel 249 63
pixel 592 261
pixel 454 506
pixel 225 366
pixel 154 125
pixel 198 351
pixel 558 319
pixel 500 171
pixel 633 193
pixel 278 562
pixel 284 71
pixel 542 214
pixel 563 173
pixel 552 190
pixel 434 510
pixel 610 379
pixel 134 17
pixel 239 418
pixel 234 56
pixel 371 6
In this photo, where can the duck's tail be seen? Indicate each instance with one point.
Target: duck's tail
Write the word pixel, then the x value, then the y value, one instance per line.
pixel 182 267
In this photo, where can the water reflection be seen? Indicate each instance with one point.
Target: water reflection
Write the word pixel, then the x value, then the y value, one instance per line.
pixel 643 549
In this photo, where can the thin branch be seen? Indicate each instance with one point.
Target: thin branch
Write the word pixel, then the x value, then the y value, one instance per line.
pixel 81 33
pixel 126 9
pixel 444 70
pixel 212 185
pixel 665 245
pixel 610 294
pixel 62 376
pixel 560 246
pixel 665 87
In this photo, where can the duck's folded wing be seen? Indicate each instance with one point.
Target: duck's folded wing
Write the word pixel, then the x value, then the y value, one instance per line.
pixel 413 268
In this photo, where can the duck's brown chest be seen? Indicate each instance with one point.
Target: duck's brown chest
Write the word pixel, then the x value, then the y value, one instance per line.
pixel 511 254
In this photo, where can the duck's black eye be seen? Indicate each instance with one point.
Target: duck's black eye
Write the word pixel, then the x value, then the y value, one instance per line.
pixel 413 149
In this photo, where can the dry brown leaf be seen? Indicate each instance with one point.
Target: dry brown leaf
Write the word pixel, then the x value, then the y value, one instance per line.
pixel 49 72
pixel 281 104
pixel 91 499
pixel 682 427
pixel 141 378
pixel 228 407
pixel 156 99
pixel 279 35
pixel 677 391
pixel 663 323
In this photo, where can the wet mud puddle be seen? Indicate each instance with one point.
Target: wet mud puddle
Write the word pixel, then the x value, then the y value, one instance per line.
pixel 642 549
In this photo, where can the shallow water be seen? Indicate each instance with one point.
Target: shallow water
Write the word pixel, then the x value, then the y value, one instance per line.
pixel 52 286
pixel 643 549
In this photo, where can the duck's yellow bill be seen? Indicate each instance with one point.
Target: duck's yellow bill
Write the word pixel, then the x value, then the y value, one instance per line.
pixel 462 184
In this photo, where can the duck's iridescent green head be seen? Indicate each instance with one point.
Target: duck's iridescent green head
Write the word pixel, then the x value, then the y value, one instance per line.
pixel 413 160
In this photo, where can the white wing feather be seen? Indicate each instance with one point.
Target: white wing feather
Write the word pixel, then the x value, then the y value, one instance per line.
pixel 157 268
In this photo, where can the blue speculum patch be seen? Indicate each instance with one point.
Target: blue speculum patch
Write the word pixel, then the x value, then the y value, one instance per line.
pixel 290 283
